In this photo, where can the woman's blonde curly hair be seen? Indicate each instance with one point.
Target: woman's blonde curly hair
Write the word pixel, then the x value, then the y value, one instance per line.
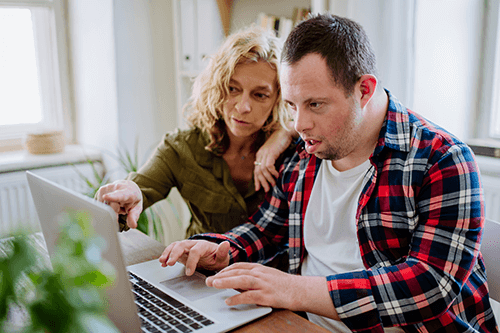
pixel 211 87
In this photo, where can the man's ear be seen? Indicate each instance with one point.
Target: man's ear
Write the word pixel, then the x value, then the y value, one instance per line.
pixel 367 85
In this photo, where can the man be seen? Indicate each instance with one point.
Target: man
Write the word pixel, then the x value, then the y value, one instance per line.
pixel 380 210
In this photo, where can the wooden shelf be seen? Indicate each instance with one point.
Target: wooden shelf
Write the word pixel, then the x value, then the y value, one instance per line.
pixel 225 14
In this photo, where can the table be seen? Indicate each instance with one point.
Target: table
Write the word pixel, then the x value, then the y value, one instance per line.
pixel 138 247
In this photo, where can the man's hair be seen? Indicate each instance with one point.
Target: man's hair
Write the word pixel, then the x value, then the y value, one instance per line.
pixel 341 42
pixel 211 87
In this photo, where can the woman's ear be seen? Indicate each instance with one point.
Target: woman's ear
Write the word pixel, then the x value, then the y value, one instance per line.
pixel 367 85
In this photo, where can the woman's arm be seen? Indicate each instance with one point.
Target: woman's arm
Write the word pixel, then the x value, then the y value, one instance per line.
pixel 265 171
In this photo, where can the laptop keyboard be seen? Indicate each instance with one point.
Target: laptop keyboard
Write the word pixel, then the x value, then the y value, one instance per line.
pixel 160 312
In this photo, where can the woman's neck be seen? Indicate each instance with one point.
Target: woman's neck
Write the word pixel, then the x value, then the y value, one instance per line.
pixel 241 146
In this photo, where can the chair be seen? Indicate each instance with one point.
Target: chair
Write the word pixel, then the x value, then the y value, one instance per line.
pixel 490 248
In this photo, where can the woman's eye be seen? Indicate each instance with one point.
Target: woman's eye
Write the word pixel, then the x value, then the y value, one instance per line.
pixel 232 89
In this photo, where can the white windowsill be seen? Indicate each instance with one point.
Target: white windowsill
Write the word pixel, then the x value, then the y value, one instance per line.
pixel 23 160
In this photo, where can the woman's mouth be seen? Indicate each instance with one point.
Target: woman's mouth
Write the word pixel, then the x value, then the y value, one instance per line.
pixel 241 122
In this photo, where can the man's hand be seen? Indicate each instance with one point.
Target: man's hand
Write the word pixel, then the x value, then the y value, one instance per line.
pixel 196 254
pixel 125 197
pixel 259 284
pixel 268 286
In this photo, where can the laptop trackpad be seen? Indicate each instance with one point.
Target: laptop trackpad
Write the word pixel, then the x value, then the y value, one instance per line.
pixel 191 287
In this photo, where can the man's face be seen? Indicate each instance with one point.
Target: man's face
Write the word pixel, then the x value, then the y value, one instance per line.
pixel 327 120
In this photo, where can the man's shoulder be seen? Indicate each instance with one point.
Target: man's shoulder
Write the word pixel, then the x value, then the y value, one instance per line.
pixel 425 133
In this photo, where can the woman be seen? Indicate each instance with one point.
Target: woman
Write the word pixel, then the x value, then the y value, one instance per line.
pixel 217 165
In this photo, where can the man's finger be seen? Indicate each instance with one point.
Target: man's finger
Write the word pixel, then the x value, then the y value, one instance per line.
pixel 222 251
pixel 246 297
pixel 165 255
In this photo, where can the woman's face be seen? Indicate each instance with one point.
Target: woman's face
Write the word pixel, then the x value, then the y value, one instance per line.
pixel 252 94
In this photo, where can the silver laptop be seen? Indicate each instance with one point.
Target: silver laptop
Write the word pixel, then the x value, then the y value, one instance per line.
pixel 148 297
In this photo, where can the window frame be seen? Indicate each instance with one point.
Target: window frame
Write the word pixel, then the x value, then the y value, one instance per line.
pixel 52 64
pixel 489 105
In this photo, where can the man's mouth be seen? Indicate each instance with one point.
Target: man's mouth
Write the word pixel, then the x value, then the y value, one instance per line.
pixel 311 142
pixel 311 145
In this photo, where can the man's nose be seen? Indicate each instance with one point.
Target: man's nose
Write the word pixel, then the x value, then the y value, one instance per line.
pixel 302 121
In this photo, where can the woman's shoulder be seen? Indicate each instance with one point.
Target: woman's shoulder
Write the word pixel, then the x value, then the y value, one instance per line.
pixel 191 141
pixel 192 137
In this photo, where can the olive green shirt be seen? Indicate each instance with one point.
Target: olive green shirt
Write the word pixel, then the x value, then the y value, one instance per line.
pixel 203 180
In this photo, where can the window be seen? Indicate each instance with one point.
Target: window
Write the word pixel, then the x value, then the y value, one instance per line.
pixel 32 67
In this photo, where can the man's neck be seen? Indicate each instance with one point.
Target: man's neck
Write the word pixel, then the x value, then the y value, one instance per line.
pixel 375 116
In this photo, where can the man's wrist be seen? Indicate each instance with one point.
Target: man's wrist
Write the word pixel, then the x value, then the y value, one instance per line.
pixel 310 294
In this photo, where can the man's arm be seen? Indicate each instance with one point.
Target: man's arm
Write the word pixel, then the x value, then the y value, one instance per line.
pixel 264 237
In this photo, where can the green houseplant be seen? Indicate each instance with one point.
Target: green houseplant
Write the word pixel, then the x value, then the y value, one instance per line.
pixel 68 298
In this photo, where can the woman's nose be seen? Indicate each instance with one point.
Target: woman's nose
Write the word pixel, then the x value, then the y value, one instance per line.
pixel 244 104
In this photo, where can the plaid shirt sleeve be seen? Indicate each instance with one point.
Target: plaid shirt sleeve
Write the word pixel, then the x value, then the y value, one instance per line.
pixel 264 237
pixel 439 283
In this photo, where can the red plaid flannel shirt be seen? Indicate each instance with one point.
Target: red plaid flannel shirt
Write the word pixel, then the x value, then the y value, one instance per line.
pixel 419 220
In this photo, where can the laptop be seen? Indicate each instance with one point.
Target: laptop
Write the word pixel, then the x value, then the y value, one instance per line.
pixel 144 297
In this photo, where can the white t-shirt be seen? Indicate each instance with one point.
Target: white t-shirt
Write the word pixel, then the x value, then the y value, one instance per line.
pixel 330 235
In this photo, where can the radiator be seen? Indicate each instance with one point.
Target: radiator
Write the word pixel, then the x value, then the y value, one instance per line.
pixel 17 209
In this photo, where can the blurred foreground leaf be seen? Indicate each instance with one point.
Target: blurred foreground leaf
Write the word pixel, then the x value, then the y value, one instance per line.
pixel 68 298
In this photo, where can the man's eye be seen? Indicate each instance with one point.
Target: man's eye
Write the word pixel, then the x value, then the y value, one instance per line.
pixel 315 105
pixel 261 96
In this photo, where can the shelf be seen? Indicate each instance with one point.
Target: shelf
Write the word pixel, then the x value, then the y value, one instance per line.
pixel 22 160
pixel 225 14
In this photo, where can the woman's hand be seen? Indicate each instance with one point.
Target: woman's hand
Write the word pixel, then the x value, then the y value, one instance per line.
pixel 265 172
pixel 125 197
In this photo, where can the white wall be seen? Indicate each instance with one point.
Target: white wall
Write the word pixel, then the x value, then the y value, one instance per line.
pixel 448 54
pixel 143 33
pixel 123 73
pixel 93 71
